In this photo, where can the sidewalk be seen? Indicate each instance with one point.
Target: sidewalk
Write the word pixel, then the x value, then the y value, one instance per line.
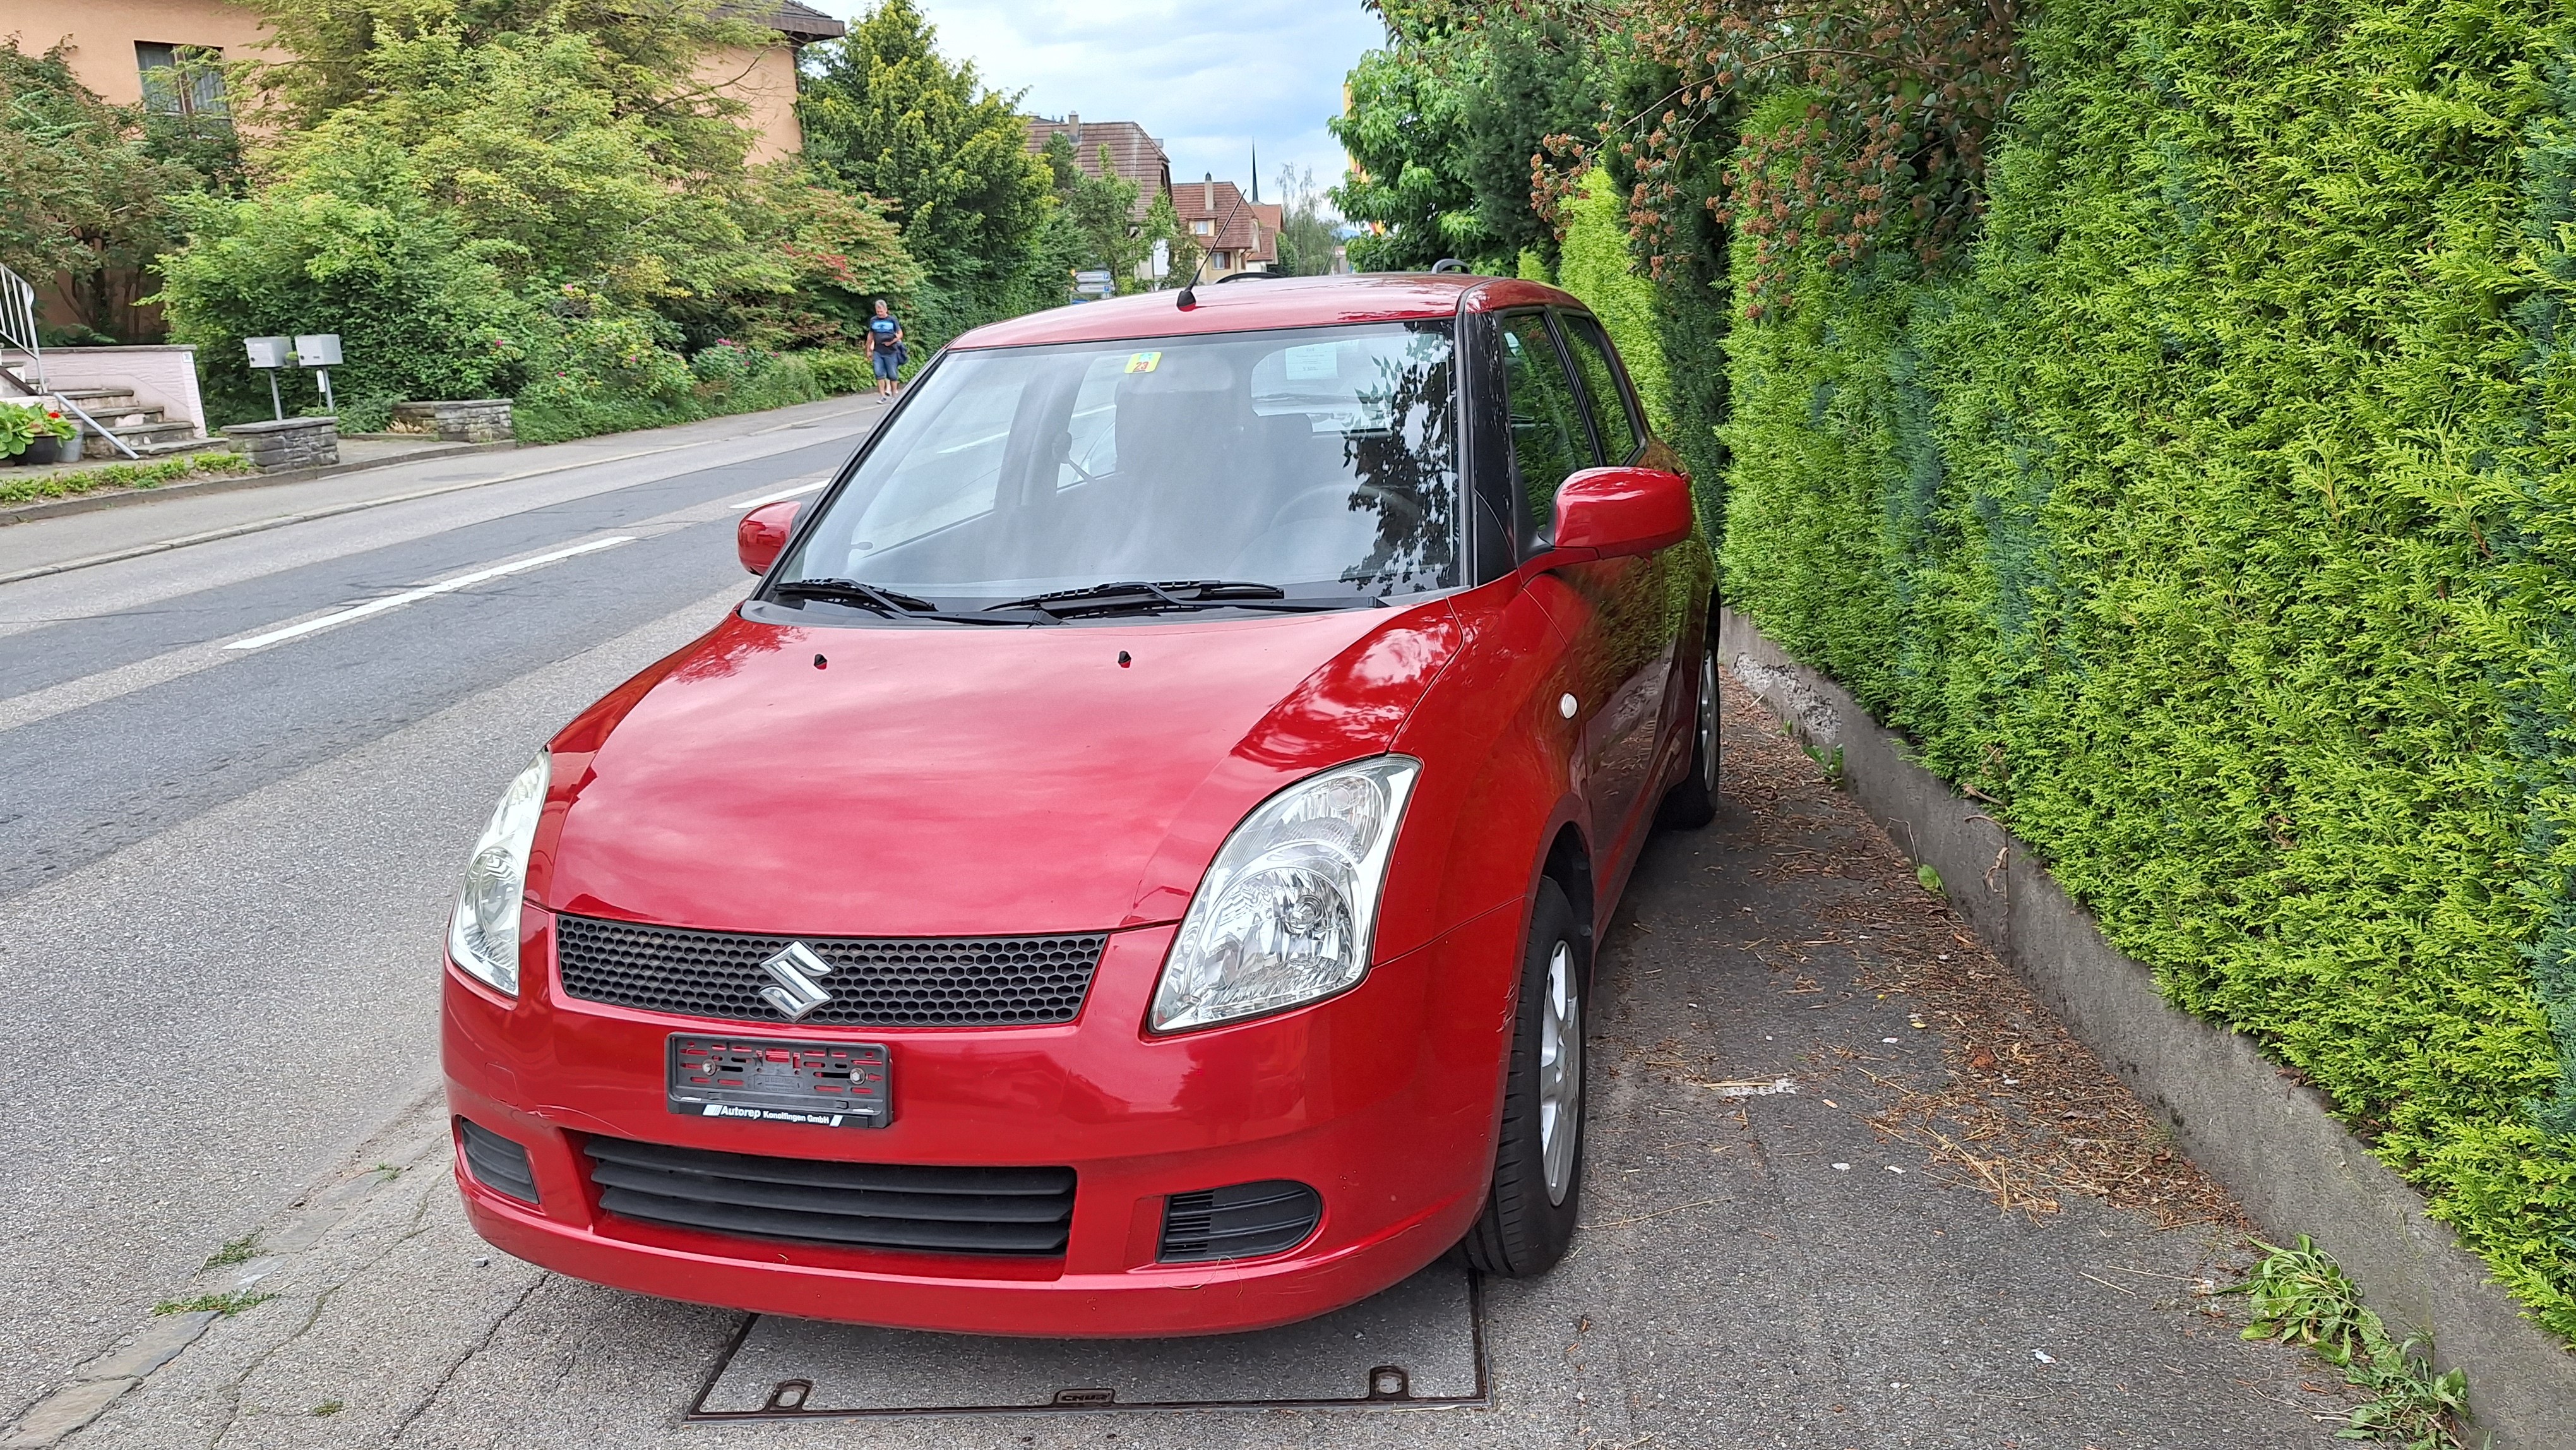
pixel 1849 1187
pixel 181 514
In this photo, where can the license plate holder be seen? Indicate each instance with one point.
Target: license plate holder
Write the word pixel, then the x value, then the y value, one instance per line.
pixel 759 1079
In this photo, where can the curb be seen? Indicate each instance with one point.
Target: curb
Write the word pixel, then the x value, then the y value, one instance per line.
pixel 82 503
pixel 2270 1142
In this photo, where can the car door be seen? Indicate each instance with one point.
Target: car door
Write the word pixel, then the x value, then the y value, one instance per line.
pixel 1651 613
pixel 1591 603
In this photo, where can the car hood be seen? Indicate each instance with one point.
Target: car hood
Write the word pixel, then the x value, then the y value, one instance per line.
pixel 933 781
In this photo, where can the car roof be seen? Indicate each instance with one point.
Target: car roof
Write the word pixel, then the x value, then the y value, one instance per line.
pixel 1271 302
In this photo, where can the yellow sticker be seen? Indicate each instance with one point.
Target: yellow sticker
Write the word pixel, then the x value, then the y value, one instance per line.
pixel 1144 362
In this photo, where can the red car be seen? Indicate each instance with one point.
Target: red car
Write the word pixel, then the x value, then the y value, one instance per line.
pixel 1131 866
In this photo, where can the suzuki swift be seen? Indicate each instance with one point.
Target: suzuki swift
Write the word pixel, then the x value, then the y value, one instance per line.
pixel 1132 864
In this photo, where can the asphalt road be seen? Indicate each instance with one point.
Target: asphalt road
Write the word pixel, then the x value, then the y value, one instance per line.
pixel 223 871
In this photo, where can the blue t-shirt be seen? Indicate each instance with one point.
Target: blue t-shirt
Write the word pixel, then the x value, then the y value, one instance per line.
pixel 881 331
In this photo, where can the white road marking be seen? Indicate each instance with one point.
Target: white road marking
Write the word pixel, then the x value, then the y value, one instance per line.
pixel 781 496
pixel 414 596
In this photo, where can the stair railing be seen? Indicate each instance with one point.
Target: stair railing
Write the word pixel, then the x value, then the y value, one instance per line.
pixel 18 335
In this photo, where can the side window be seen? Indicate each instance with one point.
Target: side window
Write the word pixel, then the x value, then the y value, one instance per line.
pixel 1549 440
pixel 1610 418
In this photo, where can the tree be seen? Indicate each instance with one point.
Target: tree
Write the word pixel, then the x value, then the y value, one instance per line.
pixel 1305 236
pixel 88 190
pixel 643 56
pixel 1407 132
pixel 890 117
pixel 1096 213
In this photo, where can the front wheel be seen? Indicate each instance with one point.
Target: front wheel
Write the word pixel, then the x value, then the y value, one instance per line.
pixel 1692 802
pixel 1538 1161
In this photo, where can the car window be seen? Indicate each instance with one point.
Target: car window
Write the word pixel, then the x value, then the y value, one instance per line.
pixel 1321 460
pixel 1549 440
pixel 1611 421
pixel 952 472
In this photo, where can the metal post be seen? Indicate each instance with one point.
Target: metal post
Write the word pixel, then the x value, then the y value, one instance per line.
pixel 276 405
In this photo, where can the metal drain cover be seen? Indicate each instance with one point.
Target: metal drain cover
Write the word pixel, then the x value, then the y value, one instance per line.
pixel 1420 1343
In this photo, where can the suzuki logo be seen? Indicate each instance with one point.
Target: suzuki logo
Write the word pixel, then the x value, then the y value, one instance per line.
pixel 796 993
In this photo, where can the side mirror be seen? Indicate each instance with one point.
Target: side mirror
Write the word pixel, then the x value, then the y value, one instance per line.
pixel 763 533
pixel 1611 513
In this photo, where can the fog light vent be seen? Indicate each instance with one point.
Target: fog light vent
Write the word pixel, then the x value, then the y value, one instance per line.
pixel 1241 1222
pixel 497 1163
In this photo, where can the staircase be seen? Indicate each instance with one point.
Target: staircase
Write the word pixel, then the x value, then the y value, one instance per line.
pixel 118 415
pixel 22 367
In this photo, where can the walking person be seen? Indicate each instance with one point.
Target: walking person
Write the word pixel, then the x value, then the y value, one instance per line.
pixel 885 347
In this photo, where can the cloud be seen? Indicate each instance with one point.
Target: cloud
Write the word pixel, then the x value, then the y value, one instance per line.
pixel 1211 85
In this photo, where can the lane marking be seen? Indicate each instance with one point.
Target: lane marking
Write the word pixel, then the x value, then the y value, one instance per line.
pixel 138 551
pixel 414 596
pixel 781 496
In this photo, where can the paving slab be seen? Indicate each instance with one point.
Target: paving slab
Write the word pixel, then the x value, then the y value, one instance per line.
pixel 1890 1250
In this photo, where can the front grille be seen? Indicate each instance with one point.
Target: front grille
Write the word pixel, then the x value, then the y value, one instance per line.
pixel 854 1205
pixel 1244 1221
pixel 496 1162
pixel 995 981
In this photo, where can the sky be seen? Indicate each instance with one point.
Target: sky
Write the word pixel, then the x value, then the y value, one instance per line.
pixel 1209 85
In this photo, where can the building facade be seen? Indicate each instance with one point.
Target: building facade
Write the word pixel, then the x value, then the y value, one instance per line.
pixel 133 52
pixel 1237 235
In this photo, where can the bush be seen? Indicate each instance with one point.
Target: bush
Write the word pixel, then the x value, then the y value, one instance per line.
pixel 840 370
pixel 2212 518
pixel 352 249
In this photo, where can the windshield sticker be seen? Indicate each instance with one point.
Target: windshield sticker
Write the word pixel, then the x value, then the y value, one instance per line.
pixel 1144 362
pixel 1319 363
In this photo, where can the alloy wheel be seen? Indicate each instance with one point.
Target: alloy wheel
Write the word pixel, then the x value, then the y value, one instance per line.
pixel 1708 721
pixel 1560 1074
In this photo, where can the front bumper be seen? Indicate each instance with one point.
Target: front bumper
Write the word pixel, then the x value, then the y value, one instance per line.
pixel 1382 1099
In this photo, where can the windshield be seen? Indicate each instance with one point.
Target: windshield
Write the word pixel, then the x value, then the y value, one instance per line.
pixel 1321 461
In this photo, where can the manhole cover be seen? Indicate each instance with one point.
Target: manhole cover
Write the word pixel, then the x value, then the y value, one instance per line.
pixel 1420 1343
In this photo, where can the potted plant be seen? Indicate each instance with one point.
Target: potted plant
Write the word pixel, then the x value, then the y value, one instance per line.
pixel 59 443
pixel 20 426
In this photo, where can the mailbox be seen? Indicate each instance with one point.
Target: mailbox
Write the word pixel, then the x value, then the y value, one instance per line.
pixel 318 349
pixel 267 352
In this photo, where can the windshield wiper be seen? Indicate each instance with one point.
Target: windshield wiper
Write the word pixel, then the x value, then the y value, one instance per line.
pixel 1126 596
pixel 895 604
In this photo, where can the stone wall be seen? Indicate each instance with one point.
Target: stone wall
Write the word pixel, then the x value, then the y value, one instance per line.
pixel 292 443
pixel 476 420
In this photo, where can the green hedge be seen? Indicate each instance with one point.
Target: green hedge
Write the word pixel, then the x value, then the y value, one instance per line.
pixel 2212 518
pixel 1593 264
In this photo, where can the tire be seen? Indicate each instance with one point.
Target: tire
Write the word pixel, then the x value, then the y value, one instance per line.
pixel 1530 1211
pixel 1692 802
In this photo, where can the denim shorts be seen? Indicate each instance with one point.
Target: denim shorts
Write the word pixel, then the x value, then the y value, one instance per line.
pixel 885 365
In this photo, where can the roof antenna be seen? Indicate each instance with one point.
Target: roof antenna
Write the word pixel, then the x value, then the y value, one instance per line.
pixel 1189 297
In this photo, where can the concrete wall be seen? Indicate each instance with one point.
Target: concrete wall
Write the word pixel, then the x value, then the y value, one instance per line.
pixel 2273 1143
pixel 165 376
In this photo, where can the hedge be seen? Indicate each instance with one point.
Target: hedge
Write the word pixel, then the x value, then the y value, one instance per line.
pixel 2211 517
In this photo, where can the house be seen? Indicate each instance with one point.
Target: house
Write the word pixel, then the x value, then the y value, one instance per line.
pixel 1134 157
pixel 1237 235
pixel 134 51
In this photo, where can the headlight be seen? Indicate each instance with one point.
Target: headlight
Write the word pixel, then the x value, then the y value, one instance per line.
pixel 483 935
pixel 1287 911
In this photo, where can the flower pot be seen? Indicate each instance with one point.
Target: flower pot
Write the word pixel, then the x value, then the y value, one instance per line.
pixel 54 450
